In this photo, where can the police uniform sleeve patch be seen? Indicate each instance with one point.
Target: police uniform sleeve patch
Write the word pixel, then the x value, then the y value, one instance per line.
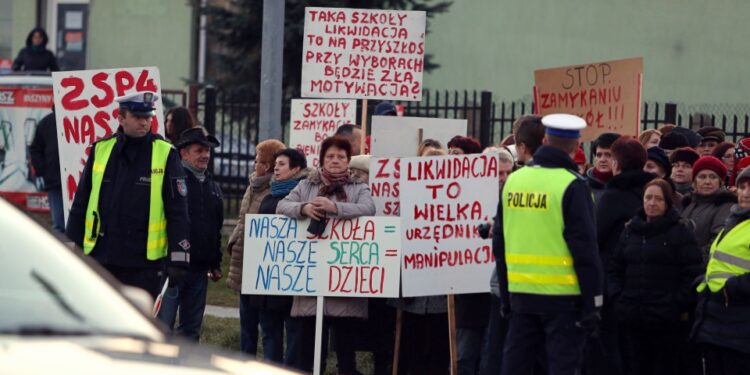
pixel 184 244
pixel 181 186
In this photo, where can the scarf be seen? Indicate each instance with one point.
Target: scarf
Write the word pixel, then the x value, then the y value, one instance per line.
pixel 602 176
pixel 333 184
pixel 283 188
pixel 200 174
pixel 257 182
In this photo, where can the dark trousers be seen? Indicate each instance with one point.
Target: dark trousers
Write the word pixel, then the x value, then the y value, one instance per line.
pixel 652 353
pixel 556 333
pixel 725 361
pixel 344 341
pixel 148 279
pixel 272 323
pixel 189 298
pixel 248 326
pixel 424 344
pixel 603 355
pixel 492 351
pixel 469 347
pixel 56 210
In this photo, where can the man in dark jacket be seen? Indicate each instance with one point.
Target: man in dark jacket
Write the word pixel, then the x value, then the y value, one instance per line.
pixel 46 161
pixel 549 271
pixel 130 207
pixel 622 197
pixel 35 56
pixel 206 219
pixel 598 175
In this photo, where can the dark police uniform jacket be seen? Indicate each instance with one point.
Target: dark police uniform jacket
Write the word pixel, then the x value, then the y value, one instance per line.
pixel 205 205
pixel 124 205
pixel 579 234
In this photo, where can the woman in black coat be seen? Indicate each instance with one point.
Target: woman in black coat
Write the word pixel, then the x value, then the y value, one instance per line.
pixel 290 167
pixel 35 56
pixel 650 283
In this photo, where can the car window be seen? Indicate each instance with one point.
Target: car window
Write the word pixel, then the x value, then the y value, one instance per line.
pixel 46 289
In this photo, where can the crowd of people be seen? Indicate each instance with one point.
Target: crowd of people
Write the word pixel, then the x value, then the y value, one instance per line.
pixel 656 280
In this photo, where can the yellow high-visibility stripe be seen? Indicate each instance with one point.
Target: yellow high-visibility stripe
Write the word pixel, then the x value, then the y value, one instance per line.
pixel 546 260
pixel 535 278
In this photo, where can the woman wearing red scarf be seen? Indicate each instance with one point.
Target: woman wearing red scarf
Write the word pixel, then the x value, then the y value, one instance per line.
pixel 330 192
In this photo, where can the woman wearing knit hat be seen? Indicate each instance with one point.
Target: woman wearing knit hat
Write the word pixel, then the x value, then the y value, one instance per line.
pixel 709 203
pixel 722 318
pixel 682 161
pixel 724 151
pixel 258 189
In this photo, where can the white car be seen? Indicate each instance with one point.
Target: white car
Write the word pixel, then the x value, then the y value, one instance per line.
pixel 61 313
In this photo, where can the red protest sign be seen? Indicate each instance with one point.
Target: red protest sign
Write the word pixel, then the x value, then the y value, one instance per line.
pixel 363 53
pixel 606 94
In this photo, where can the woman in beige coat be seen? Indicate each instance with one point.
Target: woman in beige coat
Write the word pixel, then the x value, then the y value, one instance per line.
pixel 330 192
pixel 256 191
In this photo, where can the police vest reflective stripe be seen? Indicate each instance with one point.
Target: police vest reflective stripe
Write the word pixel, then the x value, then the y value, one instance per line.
pixel 730 256
pixel 537 256
pixel 156 246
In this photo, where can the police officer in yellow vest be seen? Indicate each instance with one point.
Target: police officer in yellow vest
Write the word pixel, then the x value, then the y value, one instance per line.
pixel 722 318
pixel 549 268
pixel 130 208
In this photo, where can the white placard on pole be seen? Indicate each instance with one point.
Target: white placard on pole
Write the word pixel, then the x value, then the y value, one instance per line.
pixel 314 120
pixel 443 199
pixel 399 136
pixel 363 53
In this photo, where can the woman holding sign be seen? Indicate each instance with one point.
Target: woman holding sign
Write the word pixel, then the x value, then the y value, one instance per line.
pixel 330 192
pixel 290 167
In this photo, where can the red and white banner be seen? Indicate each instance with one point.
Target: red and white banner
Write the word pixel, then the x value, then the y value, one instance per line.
pixel 21 110
pixel 363 54
pixel 86 112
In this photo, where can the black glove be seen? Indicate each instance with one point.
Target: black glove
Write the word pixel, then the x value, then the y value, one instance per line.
pixel 176 274
pixel 590 324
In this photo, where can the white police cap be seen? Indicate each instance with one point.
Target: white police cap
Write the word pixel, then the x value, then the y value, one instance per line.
pixel 139 103
pixel 563 125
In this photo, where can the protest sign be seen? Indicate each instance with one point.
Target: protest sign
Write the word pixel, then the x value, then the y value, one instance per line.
pixel 443 199
pixel 21 109
pixel 384 185
pixel 313 120
pixel 86 111
pixel 606 94
pixel 363 53
pixel 399 136
pixel 354 257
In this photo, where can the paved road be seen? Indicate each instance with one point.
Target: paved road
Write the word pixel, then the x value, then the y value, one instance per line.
pixel 222 312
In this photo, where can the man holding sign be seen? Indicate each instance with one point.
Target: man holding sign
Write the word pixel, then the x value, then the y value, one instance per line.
pixel 549 271
pixel 130 209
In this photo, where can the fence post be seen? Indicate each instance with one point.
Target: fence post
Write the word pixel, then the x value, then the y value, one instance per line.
pixel 485 121
pixel 209 113
pixel 193 100
pixel 670 113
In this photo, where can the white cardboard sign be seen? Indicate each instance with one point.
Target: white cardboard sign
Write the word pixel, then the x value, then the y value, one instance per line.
pixel 443 199
pixel 393 136
pixel 363 53
pixel 86 111
pixel 313 120
pixel 353 258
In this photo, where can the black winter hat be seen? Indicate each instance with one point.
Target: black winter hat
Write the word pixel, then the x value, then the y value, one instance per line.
pixel 673 141
pixel 660 157
pixel 606 140
pixel 196 135
pixel 711 133
pixel 693 138
pixel 685 154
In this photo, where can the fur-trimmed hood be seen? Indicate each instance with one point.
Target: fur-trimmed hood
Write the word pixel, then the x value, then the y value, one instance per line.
pixel 719 198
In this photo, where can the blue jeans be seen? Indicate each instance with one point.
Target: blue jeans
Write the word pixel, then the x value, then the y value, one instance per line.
pixel 55 200
pixel 272 328
pixel 248 326
pixel 189 297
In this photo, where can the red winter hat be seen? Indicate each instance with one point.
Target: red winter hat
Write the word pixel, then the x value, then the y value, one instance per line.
pixel 580 156
pixel 742 163
pixel 712 164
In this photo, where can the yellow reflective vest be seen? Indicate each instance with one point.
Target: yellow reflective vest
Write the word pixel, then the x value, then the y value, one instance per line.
pixel 156 247
pixel 730 256
pixel 537 257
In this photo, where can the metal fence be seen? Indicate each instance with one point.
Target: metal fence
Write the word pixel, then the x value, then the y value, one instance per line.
pixel 233 118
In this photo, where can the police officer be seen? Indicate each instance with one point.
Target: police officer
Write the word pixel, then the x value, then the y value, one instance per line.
pixel 549 271
pixel 206 219
pixel 130 208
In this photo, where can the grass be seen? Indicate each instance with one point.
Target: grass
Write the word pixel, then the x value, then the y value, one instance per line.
pixel 225 333
pixel 219 293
